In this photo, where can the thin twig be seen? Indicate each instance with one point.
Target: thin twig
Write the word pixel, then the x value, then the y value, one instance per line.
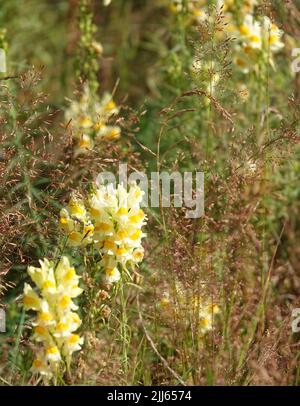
pixel 9 77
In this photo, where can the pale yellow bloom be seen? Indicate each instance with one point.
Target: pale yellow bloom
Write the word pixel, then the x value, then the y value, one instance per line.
pixel 56 320
pixel 40 366
pixel 247 6
pixel 109 132
pixel 256 38
pixel 85 142
pixel 75 223
pixel 53 354
pixel 112 275
pixel 31 300
pixel 72 343
pixel 111 220
pixel 251 32
pixel 118 221
pixel 272 35
pixel 195 8
pixel 90 117
pixel 187 306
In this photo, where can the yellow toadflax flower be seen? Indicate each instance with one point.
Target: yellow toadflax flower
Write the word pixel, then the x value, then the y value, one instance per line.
pixel 228 6
pixel 250 32
pixel 56 320
pixel 256 39
pixel 118 221
pixel 112 220
pixel 187 305
pixel 89 120
pixel 75 223
pixel 272 35
pixel 112 275
pixel 195 8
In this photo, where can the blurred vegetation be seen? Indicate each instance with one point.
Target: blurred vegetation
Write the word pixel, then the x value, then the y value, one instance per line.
pixel 246 247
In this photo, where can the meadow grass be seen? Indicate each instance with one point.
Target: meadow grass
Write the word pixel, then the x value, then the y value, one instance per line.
pixel 164 86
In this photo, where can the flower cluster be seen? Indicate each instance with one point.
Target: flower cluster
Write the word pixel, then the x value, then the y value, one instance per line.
pixel 187 306
pixel 112 219
pixel 89 120
pixel 198 9
pixel 245 6
pixel 255 38
pixel 75 222
pixel 195 9
pixel 57 320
